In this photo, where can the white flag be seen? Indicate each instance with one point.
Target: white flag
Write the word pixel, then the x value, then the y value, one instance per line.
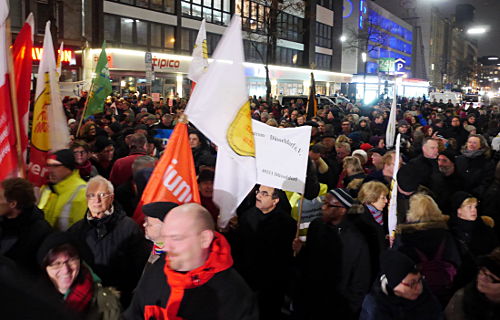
pixel 59 60
pixel 199 64
pixel 220 109
pixel 393 204
pixel 48 79
pixel 390 133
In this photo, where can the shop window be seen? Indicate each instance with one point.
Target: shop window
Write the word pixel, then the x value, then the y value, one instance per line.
pixel 169 37
pixel 326 3
pixel 142 32
pixel 323 61
pixel 111 28
pixel 127 30
pixel 156 35
pixel 214 11
pixel 323 35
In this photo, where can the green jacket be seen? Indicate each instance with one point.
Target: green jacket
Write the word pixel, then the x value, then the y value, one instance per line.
pixel 65 203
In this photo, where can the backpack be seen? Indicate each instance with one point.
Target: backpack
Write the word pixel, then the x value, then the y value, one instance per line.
pixel 439 273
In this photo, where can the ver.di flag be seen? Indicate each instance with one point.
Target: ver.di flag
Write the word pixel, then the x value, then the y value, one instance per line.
pixel 8 156
pixel 174 177
pixel 220 109
pixel 199 64
pixel 101 85
pixel 49 131
pixel 23 61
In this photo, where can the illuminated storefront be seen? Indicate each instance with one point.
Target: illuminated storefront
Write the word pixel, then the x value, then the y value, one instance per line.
pixel 127 71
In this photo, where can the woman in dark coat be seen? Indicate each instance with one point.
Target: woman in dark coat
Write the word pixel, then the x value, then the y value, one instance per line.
pixel 201 153
pixel 474 235
pixel 425 237
pixel 475 165
pixel 74 282
pixel 400 293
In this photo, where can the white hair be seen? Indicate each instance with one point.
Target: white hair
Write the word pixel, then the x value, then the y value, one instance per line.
pixel 101 180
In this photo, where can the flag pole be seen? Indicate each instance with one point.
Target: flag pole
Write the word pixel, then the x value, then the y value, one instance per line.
pixel 299 219
pixel 84 109
pixel 13 98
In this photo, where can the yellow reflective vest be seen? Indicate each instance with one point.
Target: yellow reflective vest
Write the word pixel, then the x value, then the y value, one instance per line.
pixel 66 204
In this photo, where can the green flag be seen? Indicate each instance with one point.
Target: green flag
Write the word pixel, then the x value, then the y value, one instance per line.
pixel 101 85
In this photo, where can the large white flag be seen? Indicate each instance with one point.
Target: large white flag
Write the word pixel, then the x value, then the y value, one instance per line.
pixel 219 108
pixel 390 133
pixel 393 203
pixel 48 84
pixel 199 64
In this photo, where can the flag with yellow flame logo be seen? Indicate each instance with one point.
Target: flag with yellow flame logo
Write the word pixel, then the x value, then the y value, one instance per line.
pixel 220 109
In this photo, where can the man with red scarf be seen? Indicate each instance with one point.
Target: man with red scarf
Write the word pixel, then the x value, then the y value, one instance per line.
pixel 195 279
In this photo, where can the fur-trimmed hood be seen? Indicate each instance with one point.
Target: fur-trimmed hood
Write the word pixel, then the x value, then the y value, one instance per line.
pixel 419 226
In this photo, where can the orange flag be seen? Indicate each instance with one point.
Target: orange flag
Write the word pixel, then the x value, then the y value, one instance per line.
pixel 174 177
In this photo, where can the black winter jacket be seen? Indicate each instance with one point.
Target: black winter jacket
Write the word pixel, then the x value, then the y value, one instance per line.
pixel 118 247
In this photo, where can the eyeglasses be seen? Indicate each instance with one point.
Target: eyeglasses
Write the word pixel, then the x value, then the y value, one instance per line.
pixel 262 193
pixel 71 262
pixel 100 195
pixel 413 284
pixel 488 274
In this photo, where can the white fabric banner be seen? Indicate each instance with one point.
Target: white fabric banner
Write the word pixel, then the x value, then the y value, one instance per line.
pixel 281 155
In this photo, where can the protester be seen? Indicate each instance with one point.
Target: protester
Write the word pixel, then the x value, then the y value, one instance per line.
pixel 425 238
pixel 73 281
pixel 480 299
pixel 400 293
pixel 196 279
pixel 62 199
pixel 262 251
pixel 81 150
pixel 155 213
pixel 122 168
pixel 119 249
pixel 22 227
pixel 333 262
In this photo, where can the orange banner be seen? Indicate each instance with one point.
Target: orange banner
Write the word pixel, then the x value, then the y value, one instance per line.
pixel 174 177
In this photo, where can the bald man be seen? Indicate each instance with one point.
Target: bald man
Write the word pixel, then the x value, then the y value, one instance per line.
pixel 196 279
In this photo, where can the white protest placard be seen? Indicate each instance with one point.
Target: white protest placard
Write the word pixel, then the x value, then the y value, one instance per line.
pixel 281 156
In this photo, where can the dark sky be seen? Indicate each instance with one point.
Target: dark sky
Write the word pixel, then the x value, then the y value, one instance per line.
pixel 487 13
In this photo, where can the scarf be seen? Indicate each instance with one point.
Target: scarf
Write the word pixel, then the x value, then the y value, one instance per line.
pixel 219 259
pixel 376 214
pixel 79 295
pixel 85 169
pixel 471 154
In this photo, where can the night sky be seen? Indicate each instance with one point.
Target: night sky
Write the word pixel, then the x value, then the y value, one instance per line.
pixel 487 13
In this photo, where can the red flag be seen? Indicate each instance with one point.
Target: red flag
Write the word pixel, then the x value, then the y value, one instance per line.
pixel 174 177
pixel 8 156
pixel 23 61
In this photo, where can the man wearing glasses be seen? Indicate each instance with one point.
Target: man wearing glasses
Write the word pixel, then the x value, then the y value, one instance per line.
pixel 262 248
pixel 115 242
pixel 62 199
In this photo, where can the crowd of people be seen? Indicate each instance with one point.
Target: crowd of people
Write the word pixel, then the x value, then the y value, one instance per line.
pixel 76 247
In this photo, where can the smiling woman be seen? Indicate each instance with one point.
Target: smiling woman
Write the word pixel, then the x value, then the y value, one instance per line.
pixel 73 280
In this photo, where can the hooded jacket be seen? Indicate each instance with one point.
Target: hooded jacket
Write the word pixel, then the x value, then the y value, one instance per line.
pixel 212 291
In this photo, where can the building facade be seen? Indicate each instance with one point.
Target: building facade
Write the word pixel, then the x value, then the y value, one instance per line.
pixel 293 37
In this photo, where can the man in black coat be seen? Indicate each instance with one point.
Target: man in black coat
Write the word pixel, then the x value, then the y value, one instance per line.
pixel 335 264
pixel 456 131
pixel 22 226
pixel 195 280
pixel 262 249
pixel 116 243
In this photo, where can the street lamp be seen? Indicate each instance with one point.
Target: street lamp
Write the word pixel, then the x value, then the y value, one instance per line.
pixel 343 38
pixel 363 56
pixel 477 30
